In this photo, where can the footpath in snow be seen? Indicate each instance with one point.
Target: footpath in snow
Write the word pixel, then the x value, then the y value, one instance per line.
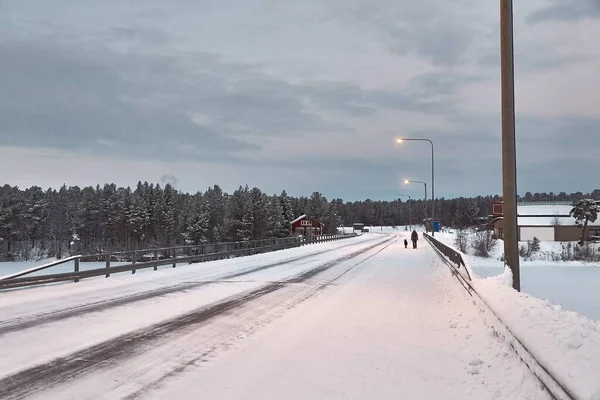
pixel 565 342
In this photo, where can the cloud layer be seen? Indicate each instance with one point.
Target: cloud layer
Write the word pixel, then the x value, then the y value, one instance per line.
pixel 297 95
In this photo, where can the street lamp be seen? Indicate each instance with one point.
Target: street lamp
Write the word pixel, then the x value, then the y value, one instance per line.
pixel 400 140
pixel 509 158
pixel 407 181
pixel 409 198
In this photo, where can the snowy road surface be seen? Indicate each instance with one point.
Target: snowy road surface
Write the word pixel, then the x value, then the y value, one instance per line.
pixel 355 319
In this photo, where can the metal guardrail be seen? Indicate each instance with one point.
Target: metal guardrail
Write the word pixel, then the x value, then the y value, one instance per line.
pixel 229 250
pixel 75 259
pixel 449 252
pixel 553 385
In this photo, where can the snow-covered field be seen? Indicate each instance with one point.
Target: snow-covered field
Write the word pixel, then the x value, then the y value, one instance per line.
pixel 360 318
pixel 572 285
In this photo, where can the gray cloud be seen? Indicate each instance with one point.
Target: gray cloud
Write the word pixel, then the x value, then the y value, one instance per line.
pixel 429 28
pixel 534 58
pixel 151 36
pixel 57 99
pixel 152 105
pixel 129 84
pixel 566 10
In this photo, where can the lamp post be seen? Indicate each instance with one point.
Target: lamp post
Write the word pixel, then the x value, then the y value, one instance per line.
pixel 425 184
pixel 509 158
pixel 400 140
pixel 409 198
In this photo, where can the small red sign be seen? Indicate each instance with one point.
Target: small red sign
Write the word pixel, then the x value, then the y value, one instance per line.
pixel 497 209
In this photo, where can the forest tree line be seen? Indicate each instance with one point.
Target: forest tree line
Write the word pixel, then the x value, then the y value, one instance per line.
pixel 36 223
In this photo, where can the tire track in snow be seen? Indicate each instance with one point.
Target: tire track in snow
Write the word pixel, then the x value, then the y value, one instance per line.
pixel 61 370
pixel 305 296
pixel 98 306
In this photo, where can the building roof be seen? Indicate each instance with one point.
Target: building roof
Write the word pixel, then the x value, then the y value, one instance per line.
pixel 549 221
pixel 544 215
pixel 298 219
pixel 547 209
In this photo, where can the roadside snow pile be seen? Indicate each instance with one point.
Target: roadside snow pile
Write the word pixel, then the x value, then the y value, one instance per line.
pixel 566 343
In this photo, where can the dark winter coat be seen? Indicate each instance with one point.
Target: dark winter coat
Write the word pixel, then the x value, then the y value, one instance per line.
pixel 414 236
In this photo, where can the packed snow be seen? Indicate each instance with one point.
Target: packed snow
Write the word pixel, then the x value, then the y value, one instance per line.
pixel 566 342
pixel 379 321
pixel 399 327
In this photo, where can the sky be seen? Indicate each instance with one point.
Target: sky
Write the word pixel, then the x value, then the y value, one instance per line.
pixel 298 95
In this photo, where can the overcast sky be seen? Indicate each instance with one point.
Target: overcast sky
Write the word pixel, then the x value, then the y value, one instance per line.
pixel 299 95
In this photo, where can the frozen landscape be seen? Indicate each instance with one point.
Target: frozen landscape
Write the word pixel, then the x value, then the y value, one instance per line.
pixel 358 318
pixel 572 285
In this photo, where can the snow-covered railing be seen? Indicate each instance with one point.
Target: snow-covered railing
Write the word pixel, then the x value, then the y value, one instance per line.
pixel 28 271
pixel 449 252
pixel 221 251
pixel 553 383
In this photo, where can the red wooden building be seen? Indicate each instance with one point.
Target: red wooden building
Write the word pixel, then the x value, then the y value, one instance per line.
pixel 307 227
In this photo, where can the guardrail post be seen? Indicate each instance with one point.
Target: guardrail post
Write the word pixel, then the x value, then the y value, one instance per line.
pixel 108 265
pixel 134 259
pixel 76 268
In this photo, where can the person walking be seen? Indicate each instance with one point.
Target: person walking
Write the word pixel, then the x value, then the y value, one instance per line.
pixel 414 237
pixel 405 244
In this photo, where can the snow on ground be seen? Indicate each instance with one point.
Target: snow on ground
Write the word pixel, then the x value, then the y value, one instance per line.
pixel 389 323
pixel 127 283
pixel 43 342
pixel 566 342
pixel 397 327
pixel 571 284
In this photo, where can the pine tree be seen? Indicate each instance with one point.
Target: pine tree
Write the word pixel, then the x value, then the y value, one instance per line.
pixel 234 214
pixel 332 220
pixel 217 211
pixel 466 212
pixel 259 214
pixel 197 221
pixel 166 216
pixel 275 217
pixel 584 212
pixel 317 207
pixel 287 213
pixel 246 229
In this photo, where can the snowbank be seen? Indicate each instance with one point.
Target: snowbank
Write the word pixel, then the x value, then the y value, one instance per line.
pixel 566 343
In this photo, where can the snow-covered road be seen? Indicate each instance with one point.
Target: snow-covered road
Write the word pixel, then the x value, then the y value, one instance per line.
pixel 359 318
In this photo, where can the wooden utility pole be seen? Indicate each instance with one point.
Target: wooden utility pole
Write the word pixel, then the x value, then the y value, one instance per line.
pixel 509 159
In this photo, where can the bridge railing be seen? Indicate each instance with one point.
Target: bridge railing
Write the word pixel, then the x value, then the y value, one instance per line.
pixel 208 252
pixel 450 253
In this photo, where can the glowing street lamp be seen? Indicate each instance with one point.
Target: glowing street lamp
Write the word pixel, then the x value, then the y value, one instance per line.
pixel 400 141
